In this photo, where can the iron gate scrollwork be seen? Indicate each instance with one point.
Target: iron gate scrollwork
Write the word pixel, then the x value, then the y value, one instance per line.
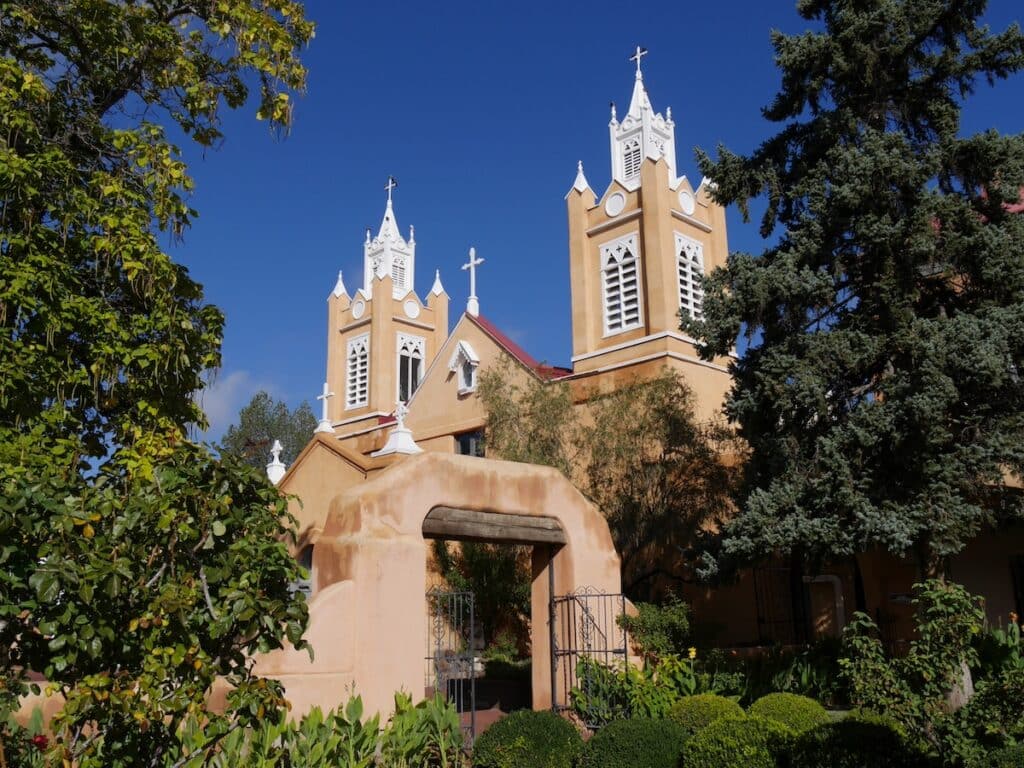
pixel 450 667
pixel 586 639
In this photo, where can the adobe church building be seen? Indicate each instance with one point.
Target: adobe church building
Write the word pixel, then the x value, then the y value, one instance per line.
pixel 396 459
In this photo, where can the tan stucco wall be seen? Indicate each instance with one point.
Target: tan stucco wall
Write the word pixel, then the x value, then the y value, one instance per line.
pixel 372 540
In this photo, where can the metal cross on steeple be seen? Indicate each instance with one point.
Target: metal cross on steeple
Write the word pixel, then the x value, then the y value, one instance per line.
pixel 639 54
pixel 392 183
pixel 472 305
pixel 325 422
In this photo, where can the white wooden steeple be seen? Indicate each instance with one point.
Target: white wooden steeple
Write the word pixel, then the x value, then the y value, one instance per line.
pixel 642 134
pixel 389 254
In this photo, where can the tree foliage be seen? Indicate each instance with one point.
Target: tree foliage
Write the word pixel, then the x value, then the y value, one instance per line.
pixel 880 388
pixel 638 453
pixel 265 420
pixel 135 568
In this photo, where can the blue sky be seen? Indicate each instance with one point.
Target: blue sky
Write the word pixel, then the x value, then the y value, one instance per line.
pixel 481 110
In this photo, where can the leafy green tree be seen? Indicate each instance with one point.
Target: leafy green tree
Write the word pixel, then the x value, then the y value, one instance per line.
pixel 135 568
pixel 265 420
pixel 638 453
pixel 880 390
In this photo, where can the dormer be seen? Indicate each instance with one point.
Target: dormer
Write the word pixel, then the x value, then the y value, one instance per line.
pixel 641 134
pixel 389 253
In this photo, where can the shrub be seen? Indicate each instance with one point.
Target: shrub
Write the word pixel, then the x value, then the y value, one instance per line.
pixel 659 630
pixel 798 713
pixel 1007 757
pixel 732 742
pixel 638 743
pixel 696 712
pixel 855 742
pixel 528 739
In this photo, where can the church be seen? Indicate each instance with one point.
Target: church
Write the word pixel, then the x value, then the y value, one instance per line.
pixel 401 382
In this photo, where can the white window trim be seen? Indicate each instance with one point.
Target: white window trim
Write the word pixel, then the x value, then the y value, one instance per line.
pixel 418 344
pixel 463 355
pixel 630 241
pixel 629 146
pixel 696 290
pixel 363 340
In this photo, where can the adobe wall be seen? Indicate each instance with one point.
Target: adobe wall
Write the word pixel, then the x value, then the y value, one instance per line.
pixel 369 615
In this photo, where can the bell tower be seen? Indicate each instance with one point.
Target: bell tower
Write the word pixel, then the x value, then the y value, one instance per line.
pixel 381 339
pixel 637 254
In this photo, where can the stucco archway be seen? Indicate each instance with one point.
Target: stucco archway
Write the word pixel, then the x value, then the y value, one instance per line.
pixel 368 611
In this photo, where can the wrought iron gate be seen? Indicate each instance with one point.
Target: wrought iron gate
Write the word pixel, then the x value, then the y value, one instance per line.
pixel 450 669
pixel 585 637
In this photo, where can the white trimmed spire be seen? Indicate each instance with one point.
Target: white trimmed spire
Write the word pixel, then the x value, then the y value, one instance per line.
pixel 437 289
pixel 339 287
pixel 388 253
pixel 642 134
pixel 276 468
pixel 580 185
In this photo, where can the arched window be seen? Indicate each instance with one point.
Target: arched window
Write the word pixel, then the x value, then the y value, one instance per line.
pixel 357 373
pixel 690 264
pixel 410 365
pixel 620 285
pixel 631 159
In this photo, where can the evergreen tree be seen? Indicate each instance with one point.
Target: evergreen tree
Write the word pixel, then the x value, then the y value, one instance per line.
pixel 880 390
pixel 265 420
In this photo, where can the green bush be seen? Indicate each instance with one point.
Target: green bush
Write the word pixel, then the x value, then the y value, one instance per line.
pixel 798 713
pixel 1007 757
pixel 659 630
pixel 738 742
pixel 637 743
pixel 857 741
pixel 696 712
pixel 528 739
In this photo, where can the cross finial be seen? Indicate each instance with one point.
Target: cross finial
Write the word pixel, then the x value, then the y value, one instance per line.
pixel 637 55
pixel 275 451
pixel 392 183
pixel 472 305
pixel 325 422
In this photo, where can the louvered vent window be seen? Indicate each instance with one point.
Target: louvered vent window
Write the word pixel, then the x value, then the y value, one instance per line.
pixel 398 276
pixel 631 159
pixel 410 365
pixel 621 285
pixel 690 262
pixel 357 373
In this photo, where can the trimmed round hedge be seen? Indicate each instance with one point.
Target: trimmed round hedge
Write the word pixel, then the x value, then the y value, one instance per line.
pixel 1007 757
pixel 798 713
pixel 858 740
pixel 696 712
pixel 527 739
pixel 637 743
pixel 733 742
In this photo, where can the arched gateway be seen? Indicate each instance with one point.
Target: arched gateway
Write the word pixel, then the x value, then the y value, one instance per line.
pixel 368 612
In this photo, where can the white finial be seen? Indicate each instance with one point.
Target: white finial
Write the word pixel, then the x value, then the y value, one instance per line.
pixel 614 115
pixel 401 411
pixel 392 183
pixel 639 54
pixel 399 438
pixel 367 235
pixel 412 234
pixel 472 305
pixel 325 422
pixel 437 289
pixel 275 469
pixel 339 287
pixel 581 181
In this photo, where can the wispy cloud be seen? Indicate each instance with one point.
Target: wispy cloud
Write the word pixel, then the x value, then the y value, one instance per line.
pixel 225 397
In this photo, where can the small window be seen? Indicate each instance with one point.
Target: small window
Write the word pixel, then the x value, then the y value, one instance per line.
pixel 470 443
pixel 463 364
pixel 357 375
pixel 631 159
pixel 398 276
pixel 410 365
pixel 305 585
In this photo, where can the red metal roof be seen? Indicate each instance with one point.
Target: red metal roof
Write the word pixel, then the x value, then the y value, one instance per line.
pixel 542 370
